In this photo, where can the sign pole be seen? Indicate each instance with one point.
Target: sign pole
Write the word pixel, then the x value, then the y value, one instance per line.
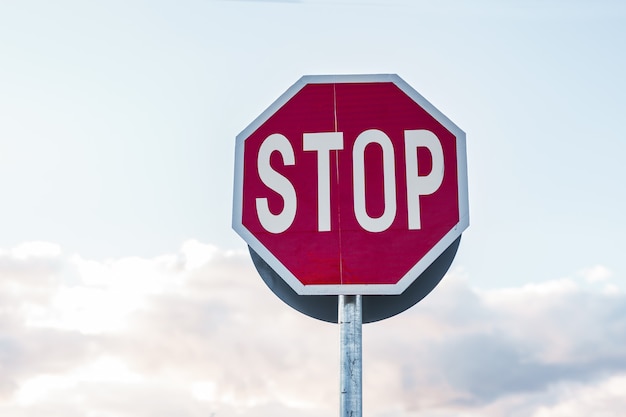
pixel 351 367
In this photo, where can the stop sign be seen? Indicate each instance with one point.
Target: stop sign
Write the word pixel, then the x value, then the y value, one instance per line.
pixel 350 184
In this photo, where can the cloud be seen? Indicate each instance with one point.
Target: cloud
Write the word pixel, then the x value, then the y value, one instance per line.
pixel 600 398
pixel 597 273
pixel 196 332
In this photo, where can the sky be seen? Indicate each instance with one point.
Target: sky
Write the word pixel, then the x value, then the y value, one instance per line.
pixel 125 292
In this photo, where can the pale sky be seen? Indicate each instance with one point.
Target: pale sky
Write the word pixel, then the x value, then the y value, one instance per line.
pixel 124 291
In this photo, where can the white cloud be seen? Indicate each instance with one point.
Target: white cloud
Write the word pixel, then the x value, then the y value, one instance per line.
pixel 197 254
pixel 36 249
pixel 197 332
pixel 204 390
pixel 46 387
pixel 597 273
pixel 599 398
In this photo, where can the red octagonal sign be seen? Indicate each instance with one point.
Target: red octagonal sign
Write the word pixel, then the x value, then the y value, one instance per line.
pixel 350 184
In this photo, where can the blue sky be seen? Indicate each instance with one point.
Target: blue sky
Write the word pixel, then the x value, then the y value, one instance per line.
pixel 117 132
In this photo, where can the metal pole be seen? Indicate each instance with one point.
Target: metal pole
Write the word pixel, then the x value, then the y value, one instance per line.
pixel 351 380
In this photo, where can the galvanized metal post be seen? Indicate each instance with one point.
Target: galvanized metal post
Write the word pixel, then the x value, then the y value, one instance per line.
pixel 351 380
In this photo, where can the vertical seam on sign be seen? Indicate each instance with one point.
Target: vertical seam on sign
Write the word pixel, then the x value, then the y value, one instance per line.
pixel 335 104
pixel 338 188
